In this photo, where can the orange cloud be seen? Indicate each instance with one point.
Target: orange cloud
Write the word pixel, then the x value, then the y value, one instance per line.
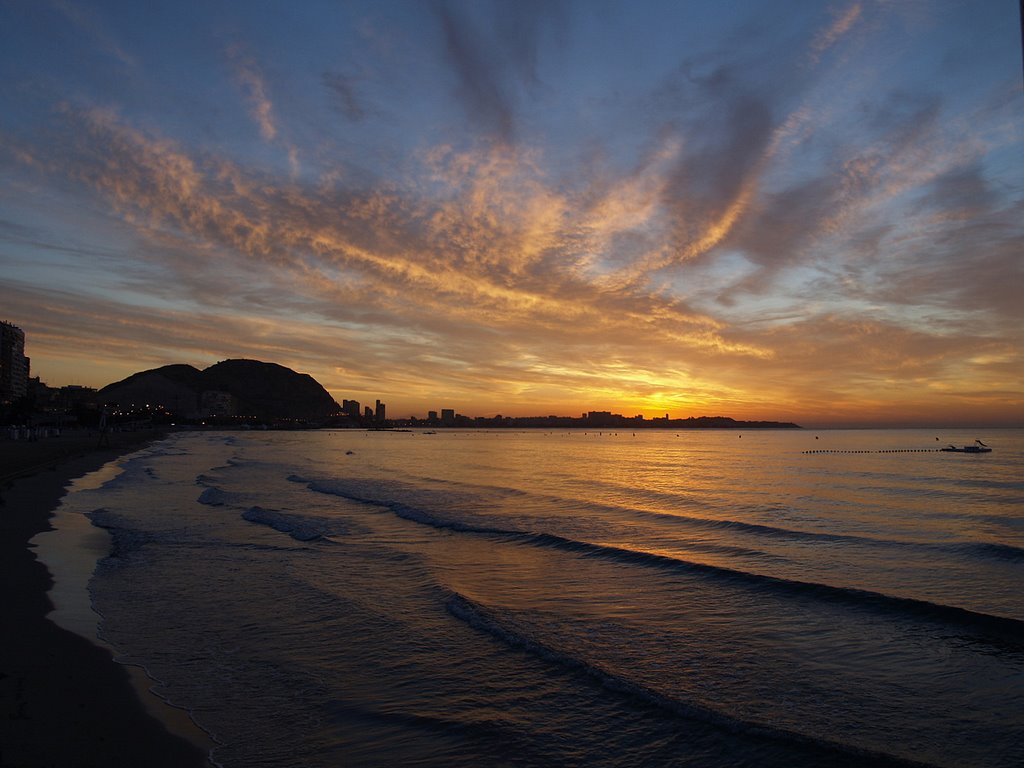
pixel 251 79
pixel 839 28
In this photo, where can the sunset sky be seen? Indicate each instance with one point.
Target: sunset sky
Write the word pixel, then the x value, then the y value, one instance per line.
pixel 799 211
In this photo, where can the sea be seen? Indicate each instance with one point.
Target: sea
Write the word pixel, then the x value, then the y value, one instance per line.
pixel 474 598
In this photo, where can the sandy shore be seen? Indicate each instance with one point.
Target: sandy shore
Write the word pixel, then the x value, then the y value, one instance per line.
pixel 63 700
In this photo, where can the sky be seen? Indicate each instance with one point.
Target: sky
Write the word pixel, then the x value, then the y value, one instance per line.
pixel 806 211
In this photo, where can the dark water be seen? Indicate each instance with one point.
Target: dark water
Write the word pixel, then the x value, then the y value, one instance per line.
pixel 473 598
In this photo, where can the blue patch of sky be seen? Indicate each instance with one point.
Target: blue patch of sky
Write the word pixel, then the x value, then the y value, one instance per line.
pixel 701 282
pixel 59 230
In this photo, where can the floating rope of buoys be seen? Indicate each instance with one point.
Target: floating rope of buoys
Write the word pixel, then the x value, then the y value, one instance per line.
pixel 879 450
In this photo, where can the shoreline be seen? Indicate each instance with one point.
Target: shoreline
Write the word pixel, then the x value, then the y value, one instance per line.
pixel 64 699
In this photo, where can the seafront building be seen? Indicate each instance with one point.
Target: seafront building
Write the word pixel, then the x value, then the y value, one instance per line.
pixel 14 366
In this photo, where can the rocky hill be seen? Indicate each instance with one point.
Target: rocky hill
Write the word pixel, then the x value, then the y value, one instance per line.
pixel 233 388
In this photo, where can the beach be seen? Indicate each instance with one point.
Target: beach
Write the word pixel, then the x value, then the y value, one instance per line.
pixel 64 700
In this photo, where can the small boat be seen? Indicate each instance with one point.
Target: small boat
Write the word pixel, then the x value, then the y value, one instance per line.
pixel 979 447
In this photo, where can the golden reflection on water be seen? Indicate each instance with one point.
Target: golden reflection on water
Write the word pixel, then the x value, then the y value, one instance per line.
pixel 729 498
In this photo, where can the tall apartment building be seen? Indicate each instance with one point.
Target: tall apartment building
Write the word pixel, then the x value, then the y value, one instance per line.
pixel 14 366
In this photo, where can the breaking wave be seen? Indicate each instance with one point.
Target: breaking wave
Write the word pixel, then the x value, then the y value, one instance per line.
pixel 1001 631
pixel 298 527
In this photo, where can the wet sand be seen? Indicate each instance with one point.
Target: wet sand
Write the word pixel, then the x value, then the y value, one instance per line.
pixel 64 701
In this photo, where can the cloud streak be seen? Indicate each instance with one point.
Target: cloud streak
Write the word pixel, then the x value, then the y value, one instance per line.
pixel 842 25
pixel 251 79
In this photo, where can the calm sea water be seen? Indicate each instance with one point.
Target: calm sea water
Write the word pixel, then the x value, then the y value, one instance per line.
pixel 566 598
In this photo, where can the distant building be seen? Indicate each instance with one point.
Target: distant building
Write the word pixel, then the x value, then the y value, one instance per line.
pixel 71 397
pixel 14 366
pixel 214 402
pixel 380 412
pixel 351 407
pixel 368 413
pixel 447 415
pixel 431 415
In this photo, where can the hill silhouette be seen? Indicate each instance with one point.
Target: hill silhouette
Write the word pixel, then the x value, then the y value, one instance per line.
pixel 233 387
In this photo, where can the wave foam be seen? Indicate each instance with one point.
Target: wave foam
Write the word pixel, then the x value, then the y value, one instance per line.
pixel 298 527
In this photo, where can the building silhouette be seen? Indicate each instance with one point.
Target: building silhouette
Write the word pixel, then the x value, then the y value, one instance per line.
pixel 380 413
pixel 14 366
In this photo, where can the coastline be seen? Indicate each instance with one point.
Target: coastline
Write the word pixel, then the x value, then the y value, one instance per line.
pixel 63 699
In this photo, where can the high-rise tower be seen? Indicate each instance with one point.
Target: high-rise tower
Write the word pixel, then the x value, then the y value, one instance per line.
pixel 13 363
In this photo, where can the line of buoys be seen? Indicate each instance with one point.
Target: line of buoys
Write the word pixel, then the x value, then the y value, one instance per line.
pixel 884 450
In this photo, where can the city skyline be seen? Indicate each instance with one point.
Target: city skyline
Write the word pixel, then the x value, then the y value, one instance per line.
pixel 17 384
pixel 528 208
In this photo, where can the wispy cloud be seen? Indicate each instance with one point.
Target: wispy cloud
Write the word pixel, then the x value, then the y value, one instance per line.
pixel 840 27
pixel 250 77
pixel 344 90
pixel 480 86
pixel 493 62
pixel 87 23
